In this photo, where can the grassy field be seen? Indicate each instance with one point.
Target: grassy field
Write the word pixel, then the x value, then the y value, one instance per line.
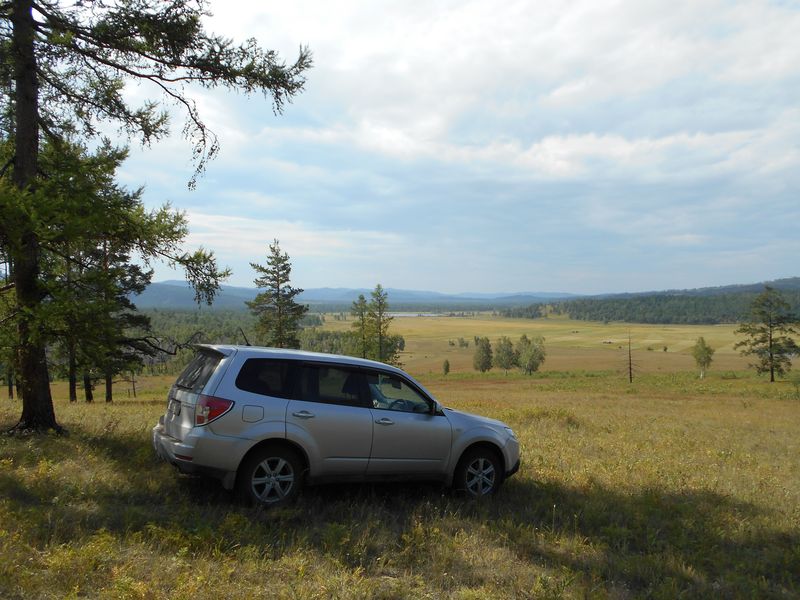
pixel 667 487
pixel 571 345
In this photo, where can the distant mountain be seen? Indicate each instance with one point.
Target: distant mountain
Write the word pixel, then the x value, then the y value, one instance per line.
pixel 177 295
pixel 700 305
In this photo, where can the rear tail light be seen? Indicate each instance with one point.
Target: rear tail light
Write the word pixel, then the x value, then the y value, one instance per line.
pixel 209 408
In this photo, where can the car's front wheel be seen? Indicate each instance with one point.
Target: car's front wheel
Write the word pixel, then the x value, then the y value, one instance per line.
pixel 479 473
pixel 271 476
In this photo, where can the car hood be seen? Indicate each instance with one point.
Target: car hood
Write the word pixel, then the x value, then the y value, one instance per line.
pixel 466 420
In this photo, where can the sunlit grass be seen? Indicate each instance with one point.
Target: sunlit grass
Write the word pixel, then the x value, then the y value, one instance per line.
pixel 571 345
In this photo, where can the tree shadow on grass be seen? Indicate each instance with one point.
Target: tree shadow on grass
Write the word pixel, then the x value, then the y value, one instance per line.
pixel 650 542
pixel 653 542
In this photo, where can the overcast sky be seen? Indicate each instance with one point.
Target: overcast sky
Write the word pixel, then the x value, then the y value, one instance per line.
pixel 590 146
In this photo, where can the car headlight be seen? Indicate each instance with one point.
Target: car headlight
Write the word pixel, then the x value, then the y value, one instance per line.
pixel 510 432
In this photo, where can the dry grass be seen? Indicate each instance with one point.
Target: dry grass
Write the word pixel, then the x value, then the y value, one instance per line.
pixel 570 344
pixel 670 487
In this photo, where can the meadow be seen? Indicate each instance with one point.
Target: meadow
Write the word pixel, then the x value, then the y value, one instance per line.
pixel 667 487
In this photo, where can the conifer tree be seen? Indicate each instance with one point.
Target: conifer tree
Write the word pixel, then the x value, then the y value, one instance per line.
pixel 65 65
pixel 277 311
pixel 360 311
pixel 87 272
pixel 378 323
pixel 769 329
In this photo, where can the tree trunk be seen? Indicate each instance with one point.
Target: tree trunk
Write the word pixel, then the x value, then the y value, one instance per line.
pixel 10 380
pixel 32 373
pixel 109 386
pixel 72 374
pixel 630 361
pixel 87 388
pixel 771 355
pixel 133 383
pixel 33 376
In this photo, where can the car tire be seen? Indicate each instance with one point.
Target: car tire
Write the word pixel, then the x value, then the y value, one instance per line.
pixel 479 473
pixel 271 476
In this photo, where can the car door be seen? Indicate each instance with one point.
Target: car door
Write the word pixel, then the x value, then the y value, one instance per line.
pixel 407 439
pixel 328 417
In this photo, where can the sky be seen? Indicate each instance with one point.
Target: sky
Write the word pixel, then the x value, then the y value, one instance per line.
pixel 472 146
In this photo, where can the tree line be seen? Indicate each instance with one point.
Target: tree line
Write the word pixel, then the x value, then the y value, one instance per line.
pixel 677 309
pixel 527 354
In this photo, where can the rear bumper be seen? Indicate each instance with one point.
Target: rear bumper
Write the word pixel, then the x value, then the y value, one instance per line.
pixel 182 456
pixel 172 450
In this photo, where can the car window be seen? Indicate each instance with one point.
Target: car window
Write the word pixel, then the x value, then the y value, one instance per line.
pixel 331 385
pixel 265 376
pixel 394 393
pixel 198 371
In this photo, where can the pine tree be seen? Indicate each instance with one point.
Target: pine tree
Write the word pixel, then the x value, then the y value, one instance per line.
pixel 65 64
pixel 360 311
pixel 277 311
pixel 378 324
pixel 771 323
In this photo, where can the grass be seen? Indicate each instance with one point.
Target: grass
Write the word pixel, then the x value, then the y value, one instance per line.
pixel 670 487
pixel 570 344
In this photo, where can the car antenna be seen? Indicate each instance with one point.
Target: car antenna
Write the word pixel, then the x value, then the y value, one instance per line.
pixel 246 341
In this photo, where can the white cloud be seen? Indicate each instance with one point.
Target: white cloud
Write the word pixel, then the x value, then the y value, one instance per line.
pixel 231 236
pixel 666 125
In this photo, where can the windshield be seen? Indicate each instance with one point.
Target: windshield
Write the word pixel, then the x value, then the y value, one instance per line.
pixel 199 371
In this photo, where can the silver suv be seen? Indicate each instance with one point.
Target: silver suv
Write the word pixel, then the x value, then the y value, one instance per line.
pixel 267 420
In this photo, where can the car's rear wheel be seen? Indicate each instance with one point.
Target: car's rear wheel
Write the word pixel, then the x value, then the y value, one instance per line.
pixel 479 473
pixel 271 476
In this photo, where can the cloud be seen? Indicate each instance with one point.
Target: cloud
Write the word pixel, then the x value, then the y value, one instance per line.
pixel 592 144
pixel 244 236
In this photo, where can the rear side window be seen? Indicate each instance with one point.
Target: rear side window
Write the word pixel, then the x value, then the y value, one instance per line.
pixel 266 377
pixel 330 385
pixel 199 371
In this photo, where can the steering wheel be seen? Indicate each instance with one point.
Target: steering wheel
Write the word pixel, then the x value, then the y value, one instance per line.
pixel 395 403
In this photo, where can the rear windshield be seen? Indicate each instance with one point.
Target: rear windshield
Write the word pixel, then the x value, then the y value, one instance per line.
pixel 199 371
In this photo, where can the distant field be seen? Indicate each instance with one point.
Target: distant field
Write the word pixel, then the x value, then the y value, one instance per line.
pixel 668 487
pixel 570 344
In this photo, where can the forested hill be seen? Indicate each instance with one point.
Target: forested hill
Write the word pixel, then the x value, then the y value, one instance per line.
pixel 177 295
pixel 728 304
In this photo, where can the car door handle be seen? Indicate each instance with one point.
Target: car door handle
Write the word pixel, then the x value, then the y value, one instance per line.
pixel 303 414
pixel 384 421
